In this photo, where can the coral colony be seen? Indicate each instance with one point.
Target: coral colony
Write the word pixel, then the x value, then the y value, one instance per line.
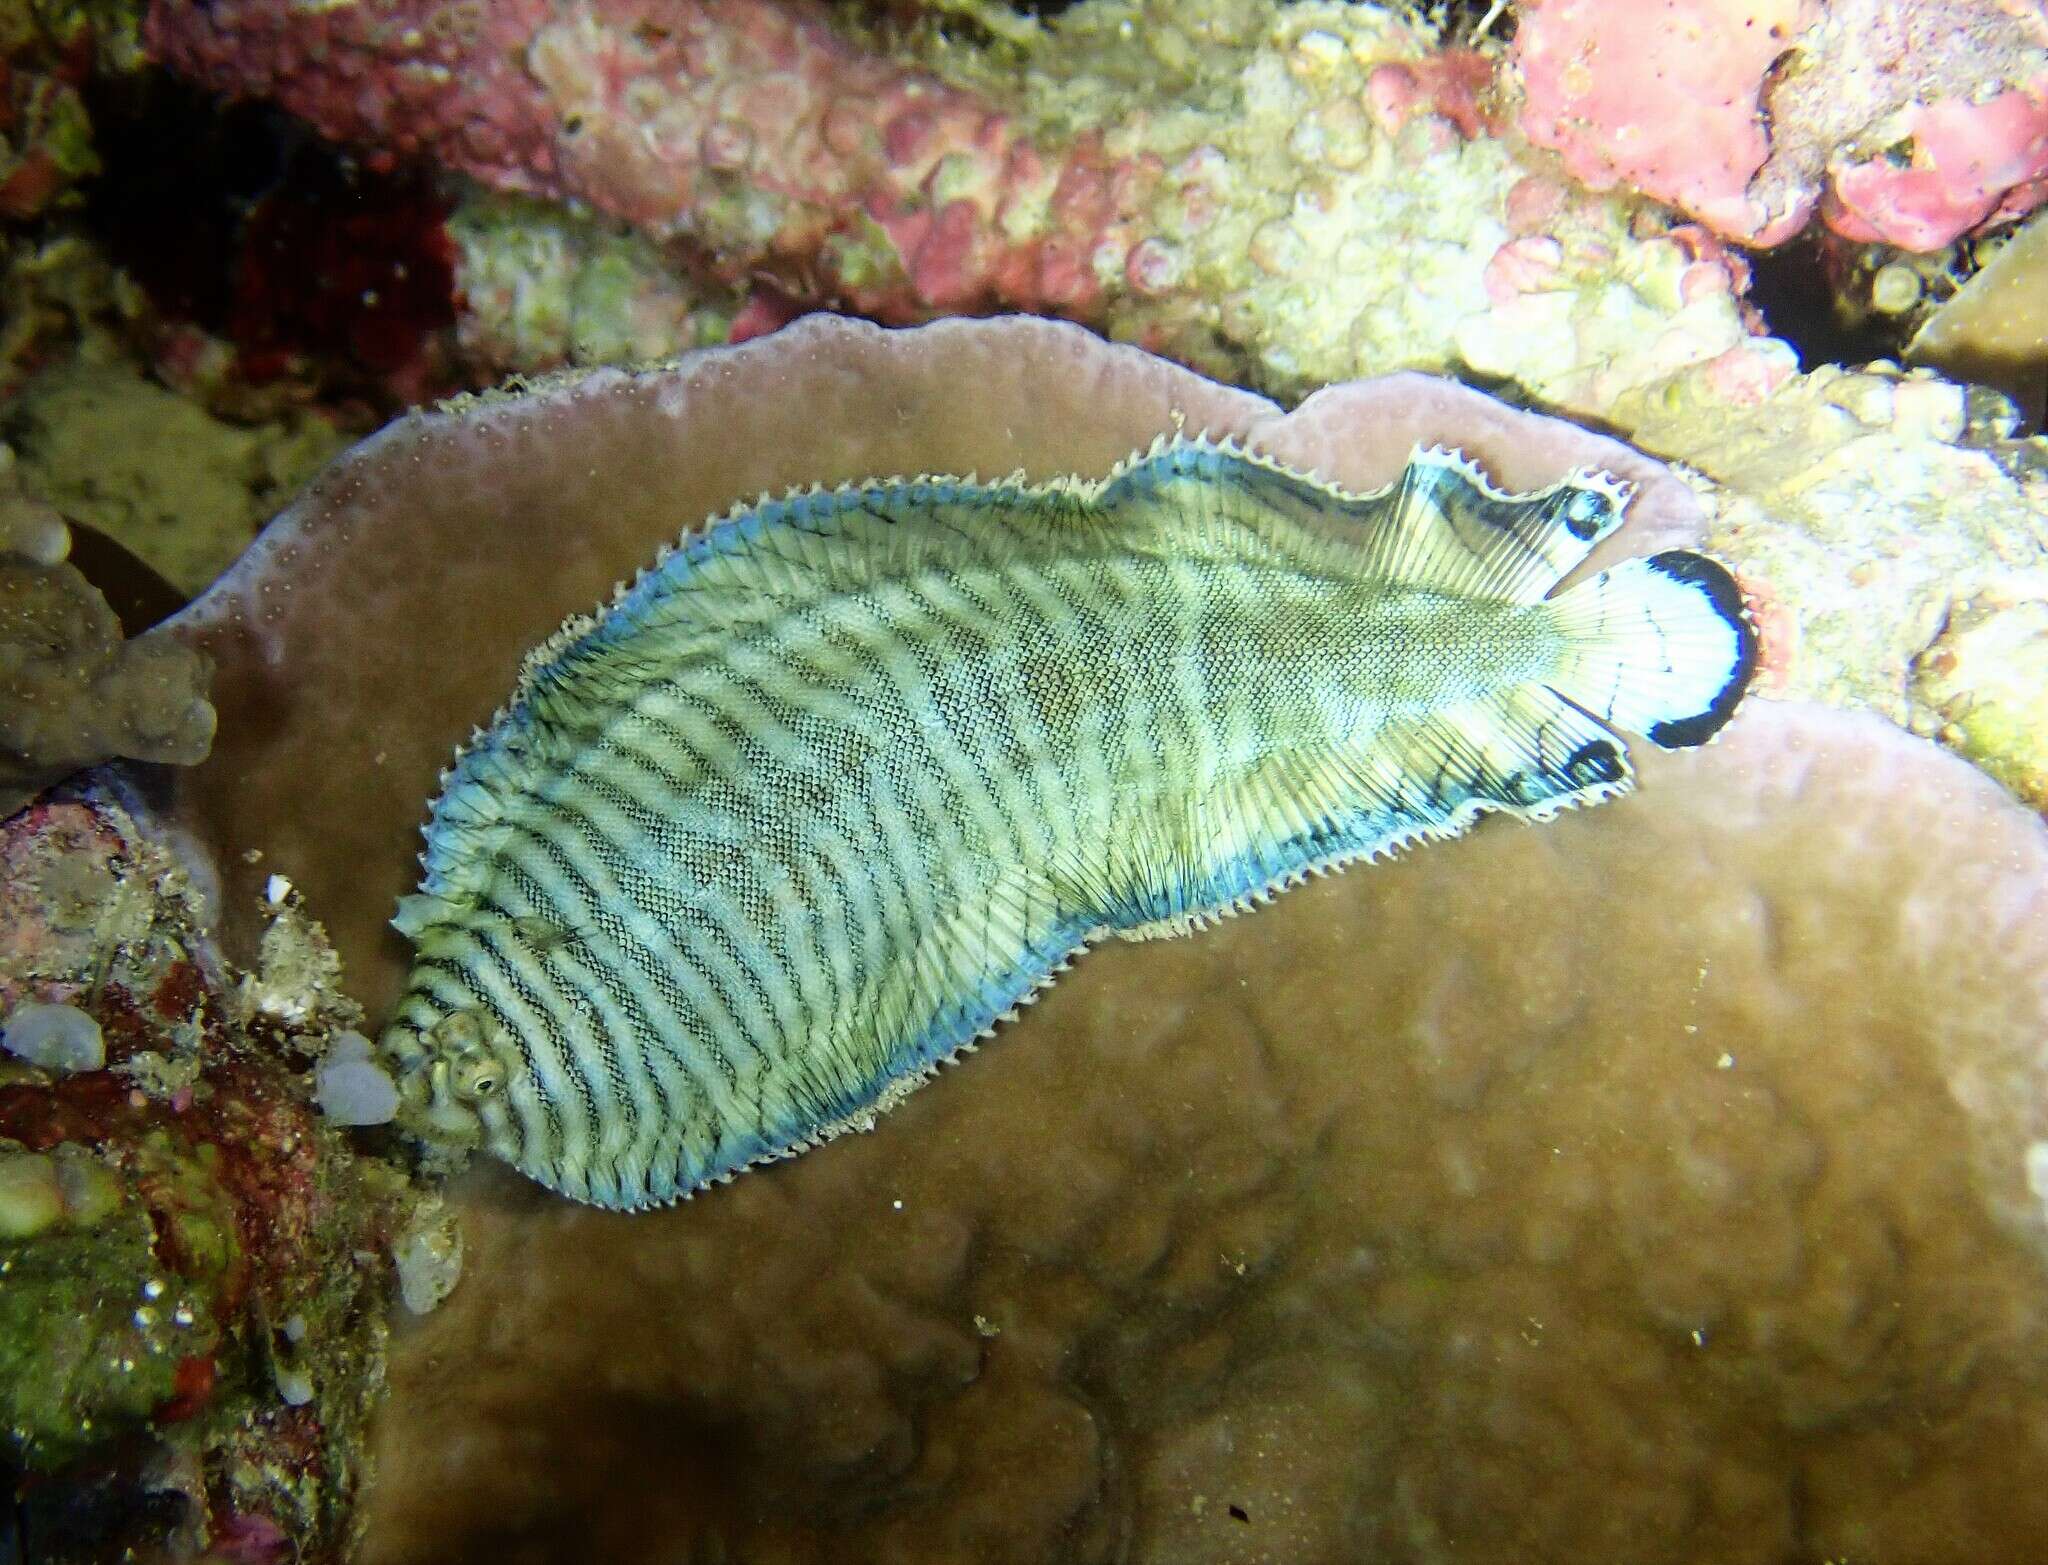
pixel 1668 1181
pixel 801 168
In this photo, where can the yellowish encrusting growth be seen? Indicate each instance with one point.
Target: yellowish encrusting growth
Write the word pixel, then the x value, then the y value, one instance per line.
pixel 73 692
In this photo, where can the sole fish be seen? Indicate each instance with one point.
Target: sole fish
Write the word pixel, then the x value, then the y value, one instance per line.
pixel 837 784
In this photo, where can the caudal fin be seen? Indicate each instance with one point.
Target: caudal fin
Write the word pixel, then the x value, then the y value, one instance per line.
pixel 1659 646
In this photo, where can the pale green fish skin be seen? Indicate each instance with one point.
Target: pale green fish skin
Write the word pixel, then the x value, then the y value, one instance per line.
pixel 837 785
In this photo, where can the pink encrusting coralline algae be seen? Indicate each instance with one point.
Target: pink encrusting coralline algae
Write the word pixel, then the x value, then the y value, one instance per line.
pixel 751 128
pixel 1972 163
pixel 1281 195
pixel 1909 122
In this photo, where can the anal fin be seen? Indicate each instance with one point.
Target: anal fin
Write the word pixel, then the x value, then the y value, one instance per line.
pixel 1528 752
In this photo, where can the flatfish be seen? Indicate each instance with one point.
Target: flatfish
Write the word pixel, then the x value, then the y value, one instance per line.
pixel 840 781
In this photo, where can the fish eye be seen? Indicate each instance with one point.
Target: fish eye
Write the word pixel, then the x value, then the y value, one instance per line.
pixel 478 1080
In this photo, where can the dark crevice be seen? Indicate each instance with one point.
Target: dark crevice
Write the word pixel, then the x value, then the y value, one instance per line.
pixel 1814 293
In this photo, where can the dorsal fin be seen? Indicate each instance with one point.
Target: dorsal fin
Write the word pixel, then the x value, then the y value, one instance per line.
pixel 1449 530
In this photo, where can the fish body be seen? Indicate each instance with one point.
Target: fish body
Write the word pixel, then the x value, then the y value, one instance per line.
pixel 839 783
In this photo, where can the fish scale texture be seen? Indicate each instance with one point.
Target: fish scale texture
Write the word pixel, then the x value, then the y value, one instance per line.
pixel 836 787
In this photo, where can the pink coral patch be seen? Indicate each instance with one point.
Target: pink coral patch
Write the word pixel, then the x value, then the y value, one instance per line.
pixel 765 311
pixel 1533 204
pixel 1526 265
pixel 1747 374
pixel 1447 84
pixel 1967 158
pixel 1662 96
pixel 943 270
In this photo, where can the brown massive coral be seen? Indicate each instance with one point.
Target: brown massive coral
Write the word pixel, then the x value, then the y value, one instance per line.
pixel 72 690
pixel 1662 1183
pixel 1647 1186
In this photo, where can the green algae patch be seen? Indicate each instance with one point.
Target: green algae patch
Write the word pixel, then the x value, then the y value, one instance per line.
pixel 197 1215
pixel 182 490
pixel 93 1332
pixel 1983 678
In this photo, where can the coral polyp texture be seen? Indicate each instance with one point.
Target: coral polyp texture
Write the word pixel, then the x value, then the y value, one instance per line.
pixel 1292 195
pixel 751 127
pixel 1651 1186
pixel 1667 1182
pixel 1910 123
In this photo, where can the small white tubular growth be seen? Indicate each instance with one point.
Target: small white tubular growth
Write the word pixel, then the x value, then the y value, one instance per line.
pixel 56 1037
pixel 351 1088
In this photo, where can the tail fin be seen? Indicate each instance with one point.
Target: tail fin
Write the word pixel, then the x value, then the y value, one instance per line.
pixel 1659 646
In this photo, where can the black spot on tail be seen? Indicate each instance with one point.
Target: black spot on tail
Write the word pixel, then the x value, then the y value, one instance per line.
pixel 1587 514
pixel 1595 761
pixel 1718 587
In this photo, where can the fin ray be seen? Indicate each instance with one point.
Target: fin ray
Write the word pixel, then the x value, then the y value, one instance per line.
pixel 1527 752
pixel 1453 532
